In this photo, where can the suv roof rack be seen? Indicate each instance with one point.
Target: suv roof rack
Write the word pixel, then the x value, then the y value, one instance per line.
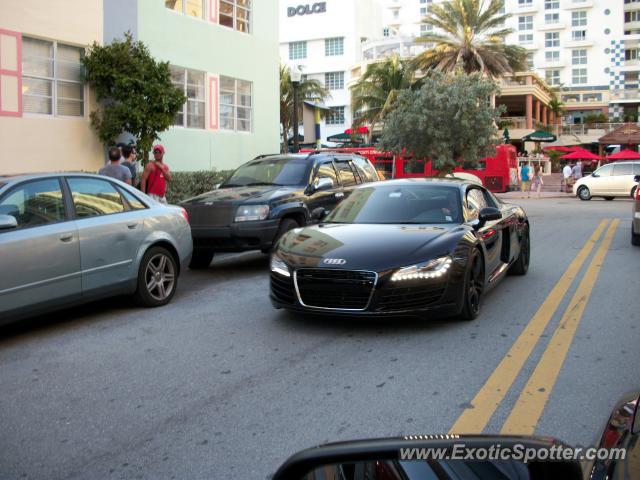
pixel 266 155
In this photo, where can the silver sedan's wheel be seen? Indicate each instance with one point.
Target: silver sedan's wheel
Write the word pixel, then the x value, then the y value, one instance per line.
pixel 157 277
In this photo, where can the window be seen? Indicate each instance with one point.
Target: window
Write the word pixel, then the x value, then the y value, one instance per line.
pixel 530 61
pixel 235 104
pixel 551 4
pixel 192 8
pixel 579 75
pixel 592 97
pixel 347 177
pixel 525 38
pixel 622 169
pixel 604 171
pixel 552 77
pixel 475 202
pixel 51 78
pixel 632 16
pixel 334 80
pixel 424 28
pixel 35 203
pixel 579 57
pixel 552 39
pixel 297 50
pixel 631 54
pixel 93 197
pixel 365 169
pixel 578 35
pixel 336 117
pixel 235 14
pixel 191 115
pixel 525 23
pixel 423 11
pixel 334 46
pixel 578 19
pixel 385 32
pixel 133 201
pixel 523 3
pixel 326 170
pixel 550 18
pixel 552 56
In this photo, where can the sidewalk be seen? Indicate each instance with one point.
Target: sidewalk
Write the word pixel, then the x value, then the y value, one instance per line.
pixel 534 195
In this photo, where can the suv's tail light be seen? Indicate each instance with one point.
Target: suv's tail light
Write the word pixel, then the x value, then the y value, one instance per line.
pixel 185 215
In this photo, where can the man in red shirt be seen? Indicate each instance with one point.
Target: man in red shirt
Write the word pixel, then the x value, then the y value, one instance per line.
pixel 156 175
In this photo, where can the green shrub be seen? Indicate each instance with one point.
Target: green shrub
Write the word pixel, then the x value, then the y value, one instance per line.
pixel 189 184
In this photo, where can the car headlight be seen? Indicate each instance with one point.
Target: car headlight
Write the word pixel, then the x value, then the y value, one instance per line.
pixel 251 213
pixel 434 269
pixel 278 266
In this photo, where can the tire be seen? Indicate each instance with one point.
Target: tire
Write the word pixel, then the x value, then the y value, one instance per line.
pixel 609 198
pixel 201 259
pixel 157 278
pixel 584 193
pixel 635 237
pixel 521 265
pixel 473 287
pixel 286 224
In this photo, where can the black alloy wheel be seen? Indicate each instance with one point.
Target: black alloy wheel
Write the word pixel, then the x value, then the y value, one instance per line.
pixel 521 265
pixel 474 288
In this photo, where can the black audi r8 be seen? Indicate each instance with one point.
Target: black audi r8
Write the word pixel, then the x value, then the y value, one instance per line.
pixel 402 247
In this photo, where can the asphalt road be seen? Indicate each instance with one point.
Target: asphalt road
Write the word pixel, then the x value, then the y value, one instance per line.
pixel 220 385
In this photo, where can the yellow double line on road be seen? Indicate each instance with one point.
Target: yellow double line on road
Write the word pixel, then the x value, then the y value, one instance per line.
pixel 528 409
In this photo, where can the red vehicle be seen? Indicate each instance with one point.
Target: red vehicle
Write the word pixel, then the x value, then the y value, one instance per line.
pixel 498 174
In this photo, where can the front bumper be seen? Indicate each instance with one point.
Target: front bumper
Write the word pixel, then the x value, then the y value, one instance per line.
pixel 433 298
pixel 238 237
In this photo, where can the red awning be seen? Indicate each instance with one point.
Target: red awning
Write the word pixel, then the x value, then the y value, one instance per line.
pixel 624 155
pixel 364 129
pixel 580 155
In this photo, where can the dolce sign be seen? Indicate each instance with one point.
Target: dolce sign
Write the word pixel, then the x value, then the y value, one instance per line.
pixel 307 9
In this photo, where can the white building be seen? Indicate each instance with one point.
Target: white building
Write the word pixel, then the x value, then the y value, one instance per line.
pixel 324 40
pixel 588 49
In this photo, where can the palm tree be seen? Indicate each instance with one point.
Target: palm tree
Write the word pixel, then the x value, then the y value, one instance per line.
pixel 473 39
pixel 556 106
pixel 373 95
pixel 310 90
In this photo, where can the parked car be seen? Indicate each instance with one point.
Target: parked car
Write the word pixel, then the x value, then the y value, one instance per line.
pixel 635 222
pixel 71 238
pixel 269 196
pixel 416 247
pixel 609 181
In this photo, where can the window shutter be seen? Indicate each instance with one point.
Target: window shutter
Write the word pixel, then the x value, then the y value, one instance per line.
pixel 214 81
pixel 10 73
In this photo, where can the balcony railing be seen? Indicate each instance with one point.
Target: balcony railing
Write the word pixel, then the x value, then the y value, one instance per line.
pixel 586 129
pixel 515 122
pixel 625 94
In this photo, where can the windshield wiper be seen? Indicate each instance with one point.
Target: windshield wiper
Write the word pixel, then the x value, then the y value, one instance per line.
pixel 259 184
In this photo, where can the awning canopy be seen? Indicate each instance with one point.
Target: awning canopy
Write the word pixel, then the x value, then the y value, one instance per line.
pixel 580 155
pixel 345 137
pixel 363 129
pixel 540 136
pixel 624 155
pixel 627 134
pixel 320 106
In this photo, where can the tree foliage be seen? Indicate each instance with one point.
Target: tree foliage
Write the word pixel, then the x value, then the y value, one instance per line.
pixel 449 119
pixel 375 92
pixel 310 90
pixel 134 92
pixel 472 39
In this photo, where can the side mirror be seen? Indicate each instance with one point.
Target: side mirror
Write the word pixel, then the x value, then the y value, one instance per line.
pixel 595 174
pixel 7 222
pixel 318 214
pixel 425 456
pixel 324 183
pixel 487 214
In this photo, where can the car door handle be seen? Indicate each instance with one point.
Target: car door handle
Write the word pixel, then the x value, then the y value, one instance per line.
pixel 339 195
pixel 66 237
pixel 132 226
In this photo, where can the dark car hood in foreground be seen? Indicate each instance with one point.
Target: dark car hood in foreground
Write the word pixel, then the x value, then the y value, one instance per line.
pixel 368 247
pixel 239 195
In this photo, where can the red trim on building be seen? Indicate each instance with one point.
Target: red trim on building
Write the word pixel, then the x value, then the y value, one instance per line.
pixel 213 101
pixel 13 73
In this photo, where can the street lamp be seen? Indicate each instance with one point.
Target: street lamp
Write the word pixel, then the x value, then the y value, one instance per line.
pixel 296 77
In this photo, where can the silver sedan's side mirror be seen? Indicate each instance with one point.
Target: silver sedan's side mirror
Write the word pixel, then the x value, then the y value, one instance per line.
pixel 7 222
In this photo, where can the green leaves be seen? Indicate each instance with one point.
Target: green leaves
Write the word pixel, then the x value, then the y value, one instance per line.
pixel 449 119
pixel 134 92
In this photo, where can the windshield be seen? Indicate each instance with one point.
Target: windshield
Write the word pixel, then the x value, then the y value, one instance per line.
pixel 399 204
pixel 272 171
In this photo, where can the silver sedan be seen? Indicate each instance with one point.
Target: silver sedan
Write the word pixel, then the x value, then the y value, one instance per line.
pixel 72 238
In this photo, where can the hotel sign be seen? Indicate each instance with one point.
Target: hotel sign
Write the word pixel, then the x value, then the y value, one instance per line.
pixel 307 9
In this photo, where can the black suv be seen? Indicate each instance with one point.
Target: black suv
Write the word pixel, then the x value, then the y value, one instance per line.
pixel 269 196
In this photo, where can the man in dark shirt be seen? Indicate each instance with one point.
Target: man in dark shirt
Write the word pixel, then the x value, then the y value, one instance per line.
pixel 130 155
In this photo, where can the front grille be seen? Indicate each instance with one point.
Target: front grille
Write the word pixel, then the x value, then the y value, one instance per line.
pixel 336 289
pixel 282 288
pixel 409 297
pixel 216 215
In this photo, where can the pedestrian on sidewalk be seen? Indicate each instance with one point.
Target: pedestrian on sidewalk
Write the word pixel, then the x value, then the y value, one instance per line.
pixel 156 175
pixel 577 171
pixel 113 169
pixel 129 153
pixel 525 173
pixel 537 181
pixel 567 173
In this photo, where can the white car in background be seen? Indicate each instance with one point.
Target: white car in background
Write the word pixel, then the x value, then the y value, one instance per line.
pixel 609 181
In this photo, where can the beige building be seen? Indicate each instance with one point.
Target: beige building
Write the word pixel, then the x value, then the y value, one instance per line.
pixel 44 106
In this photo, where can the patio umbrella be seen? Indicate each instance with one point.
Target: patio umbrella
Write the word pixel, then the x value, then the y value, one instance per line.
pixel 344 137
pixel 624 155
pixel 580 155
pixel 540 136
pixel 558 148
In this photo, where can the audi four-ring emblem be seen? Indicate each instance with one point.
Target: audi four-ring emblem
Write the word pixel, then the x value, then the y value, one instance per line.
pixel 334 261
